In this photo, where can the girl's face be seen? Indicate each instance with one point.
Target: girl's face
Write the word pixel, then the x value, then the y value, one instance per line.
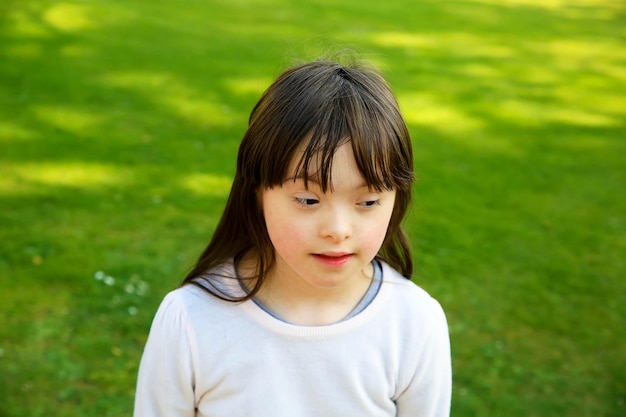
pixel 326 240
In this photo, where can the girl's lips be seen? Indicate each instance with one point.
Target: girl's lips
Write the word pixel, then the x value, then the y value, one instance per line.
pixel 333 259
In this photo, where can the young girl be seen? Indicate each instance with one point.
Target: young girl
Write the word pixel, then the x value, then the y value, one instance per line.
pixel 301 304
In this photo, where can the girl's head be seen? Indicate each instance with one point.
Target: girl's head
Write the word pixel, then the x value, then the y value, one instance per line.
pixel 300 121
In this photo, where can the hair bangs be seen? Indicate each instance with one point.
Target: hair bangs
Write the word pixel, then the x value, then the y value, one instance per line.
pixel 379 154
pixel 316 160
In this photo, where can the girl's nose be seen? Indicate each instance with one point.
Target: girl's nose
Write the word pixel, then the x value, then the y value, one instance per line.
pixel 336 225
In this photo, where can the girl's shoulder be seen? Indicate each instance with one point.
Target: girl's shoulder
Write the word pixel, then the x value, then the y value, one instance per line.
pixel 397 282
pixel 405 294
pixel 204 292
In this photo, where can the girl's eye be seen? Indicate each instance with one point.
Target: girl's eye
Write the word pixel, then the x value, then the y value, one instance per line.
pixel 307 202
pixel 369 203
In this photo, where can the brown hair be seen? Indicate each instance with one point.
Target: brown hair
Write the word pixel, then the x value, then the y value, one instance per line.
pixel 317 106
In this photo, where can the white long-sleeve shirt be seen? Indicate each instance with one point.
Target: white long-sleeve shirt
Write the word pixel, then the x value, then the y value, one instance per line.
pixel 211 358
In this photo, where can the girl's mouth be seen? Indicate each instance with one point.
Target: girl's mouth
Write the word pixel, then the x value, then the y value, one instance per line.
pixel 334 260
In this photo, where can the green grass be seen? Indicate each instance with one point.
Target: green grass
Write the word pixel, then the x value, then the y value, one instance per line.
pixel 119 125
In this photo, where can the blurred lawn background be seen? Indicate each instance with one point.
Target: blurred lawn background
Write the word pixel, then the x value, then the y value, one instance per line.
pixel 119 125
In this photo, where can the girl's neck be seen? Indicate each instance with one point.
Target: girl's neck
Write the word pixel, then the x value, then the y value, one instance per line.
pixel 297 302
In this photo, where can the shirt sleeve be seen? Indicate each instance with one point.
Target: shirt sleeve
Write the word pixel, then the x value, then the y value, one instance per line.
pixel 430 390
pixel 165 383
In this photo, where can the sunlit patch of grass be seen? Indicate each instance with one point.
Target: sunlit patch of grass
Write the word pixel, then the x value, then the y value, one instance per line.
pixel 205 184
pixel 145 82
pixel 79 175
pixel 69 119
pixel 245 86
pixel 12 132
pixel 457 42
pixel 531 113
pixel 405 39
pixel 24 25
pixel 70 17
pixel 198 110
pixel 424 109
pixel 196 106
pixel 560 5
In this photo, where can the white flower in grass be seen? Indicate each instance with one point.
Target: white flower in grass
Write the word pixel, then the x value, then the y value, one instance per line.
pixel 142 288
pixel 137 286
pixel 99 276
pixel 132 310
pixel 109 280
